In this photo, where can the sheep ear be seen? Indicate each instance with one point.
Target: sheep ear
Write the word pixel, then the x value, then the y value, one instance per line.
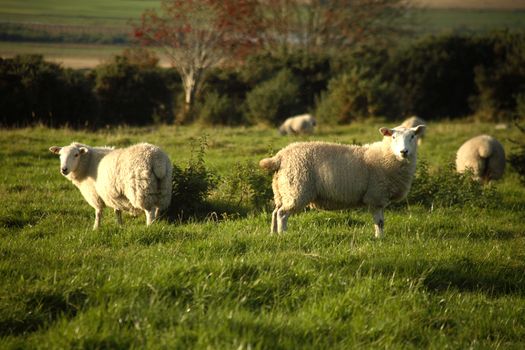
pixel 419 129
pixel 55 149
pixel 83 150
pixel 386 131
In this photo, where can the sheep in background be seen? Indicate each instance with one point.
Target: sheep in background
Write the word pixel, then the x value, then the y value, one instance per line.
pixel 484 156
pixel 413 122
pixel 334 176
pixel 136 178
pixel 299 124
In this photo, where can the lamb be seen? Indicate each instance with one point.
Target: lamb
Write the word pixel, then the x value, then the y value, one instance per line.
pixel 135 179
pixel 484 156
pixel 300 124
pixel 334 176
pixel 413 122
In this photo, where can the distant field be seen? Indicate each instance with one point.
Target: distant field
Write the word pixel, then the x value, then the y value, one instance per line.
pixel 55 27
pixel 92 12
pixel 473 4
pixel 68 55
pixel 467 20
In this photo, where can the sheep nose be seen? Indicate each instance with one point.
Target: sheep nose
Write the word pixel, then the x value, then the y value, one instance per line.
pixel 64 170
pixel 404 153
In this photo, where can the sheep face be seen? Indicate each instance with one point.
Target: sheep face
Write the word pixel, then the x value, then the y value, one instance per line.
pixel 403 140
pixel 69 157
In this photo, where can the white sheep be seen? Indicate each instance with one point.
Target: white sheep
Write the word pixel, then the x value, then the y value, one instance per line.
pixel 413 122
pixel 334 176
pixel 484 156
pixel 136 178
pixel 299 124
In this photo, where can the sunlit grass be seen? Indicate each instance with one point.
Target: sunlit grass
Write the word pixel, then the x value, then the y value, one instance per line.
pixel 447 277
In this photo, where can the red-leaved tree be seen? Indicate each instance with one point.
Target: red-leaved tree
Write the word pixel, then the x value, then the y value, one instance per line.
pixel 199 34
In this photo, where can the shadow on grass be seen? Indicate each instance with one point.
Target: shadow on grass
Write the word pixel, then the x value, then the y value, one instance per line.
pixel 40 310
pixel 462 274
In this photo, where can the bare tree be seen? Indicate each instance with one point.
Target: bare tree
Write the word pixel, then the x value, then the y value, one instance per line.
pixel 199 34
pixel 330 24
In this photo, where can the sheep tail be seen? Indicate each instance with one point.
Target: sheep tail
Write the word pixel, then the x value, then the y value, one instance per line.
pixel 485 150
pixel 271 164
pixel 160 168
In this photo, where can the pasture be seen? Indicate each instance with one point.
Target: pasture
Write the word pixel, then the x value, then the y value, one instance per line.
pixel 443 277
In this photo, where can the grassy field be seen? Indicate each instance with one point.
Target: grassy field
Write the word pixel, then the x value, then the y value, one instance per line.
pixel 451 277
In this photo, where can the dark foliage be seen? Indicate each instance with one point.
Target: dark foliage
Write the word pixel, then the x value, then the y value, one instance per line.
pixel 447 188
pixel 517 157
pixel 191 185
pixel 247 186
pixel 34 91
pixel 130 95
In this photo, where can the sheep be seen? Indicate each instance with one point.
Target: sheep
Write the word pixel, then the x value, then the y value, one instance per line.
pixel 299 124
pixel 413 122
pixel 484 156
pixel 137 178
pixel 334 176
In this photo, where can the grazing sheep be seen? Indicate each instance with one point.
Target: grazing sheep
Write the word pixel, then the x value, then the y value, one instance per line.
pixel 484 156
pixel 136 178
pixel 334 176
pixel 413 122
pixel 300 124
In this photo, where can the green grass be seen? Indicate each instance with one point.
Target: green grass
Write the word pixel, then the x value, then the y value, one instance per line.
pixel 92 12
pixel 448 278
pixel 466 21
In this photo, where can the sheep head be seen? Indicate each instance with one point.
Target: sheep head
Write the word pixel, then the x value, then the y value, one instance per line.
pixel 403 140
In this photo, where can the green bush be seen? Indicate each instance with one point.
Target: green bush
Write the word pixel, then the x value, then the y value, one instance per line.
pixel 34 91
pixel 501 81
pixel 311 71
pixel 274 100
pixel 247 186
pixel 436 75
pixel 191 185
pixel 215 108
pixel 517 157
pixel 356 95
pixel 447 188
pixel 131 94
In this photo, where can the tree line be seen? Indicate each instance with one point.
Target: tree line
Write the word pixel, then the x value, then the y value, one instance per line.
pixel 448 76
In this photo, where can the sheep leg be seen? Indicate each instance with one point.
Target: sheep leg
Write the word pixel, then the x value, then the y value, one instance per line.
pixel 150 216
pixel 118 215
pixel 379 222
pixel 98 218
pixel 282 220
pixel 273 228
pixel 157 213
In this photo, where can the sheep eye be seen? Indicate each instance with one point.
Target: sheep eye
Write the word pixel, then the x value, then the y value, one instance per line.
pixel 76 155
pixel 412 137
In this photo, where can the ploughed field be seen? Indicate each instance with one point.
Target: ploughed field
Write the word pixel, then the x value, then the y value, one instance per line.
pixel 443 276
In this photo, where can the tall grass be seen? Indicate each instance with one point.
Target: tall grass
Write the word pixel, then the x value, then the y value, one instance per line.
pixel 451 277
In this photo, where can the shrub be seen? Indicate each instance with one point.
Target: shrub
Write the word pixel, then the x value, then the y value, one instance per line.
pixel 218 109
pixel 500 82
pixel 133 95
pixel 356 95
pixel 191 185
pixel 447 188
pixel 517 157
pixel 274 100
pixel 34 91
pixel 247 186
pixel 436 75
